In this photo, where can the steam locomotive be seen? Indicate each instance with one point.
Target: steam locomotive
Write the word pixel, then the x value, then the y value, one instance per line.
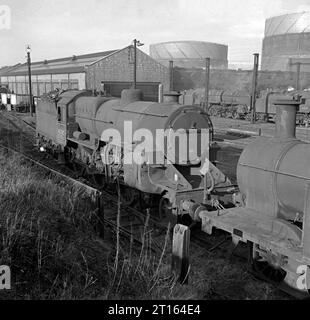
pixel 90 132
pixel 237 104
pixel 272 208
pixel 269 210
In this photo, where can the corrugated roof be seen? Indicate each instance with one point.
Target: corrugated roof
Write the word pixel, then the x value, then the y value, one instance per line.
pixel 73 64
pixel 6 69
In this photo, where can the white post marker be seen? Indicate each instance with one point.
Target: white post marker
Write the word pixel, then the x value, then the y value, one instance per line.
pixel 180 252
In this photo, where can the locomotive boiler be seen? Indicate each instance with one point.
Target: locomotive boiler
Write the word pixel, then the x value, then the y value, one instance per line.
pixel 272 212
pixel 98 135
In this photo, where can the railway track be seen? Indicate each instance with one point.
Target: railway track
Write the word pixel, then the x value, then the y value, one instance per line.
pixel 135 219
pixel 131 222
pixel 127 221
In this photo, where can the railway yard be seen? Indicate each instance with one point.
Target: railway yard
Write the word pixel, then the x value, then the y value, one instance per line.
pixel 225 274
pixel 176 174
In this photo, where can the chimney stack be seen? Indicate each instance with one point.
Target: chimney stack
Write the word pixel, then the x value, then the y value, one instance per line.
pixel 286 118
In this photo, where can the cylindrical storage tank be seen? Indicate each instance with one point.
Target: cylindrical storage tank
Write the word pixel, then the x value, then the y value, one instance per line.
pixel 190 54
pixel 273 173
pixel 286 41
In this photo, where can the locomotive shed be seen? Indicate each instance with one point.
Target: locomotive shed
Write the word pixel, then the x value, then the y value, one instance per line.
pixel 94 71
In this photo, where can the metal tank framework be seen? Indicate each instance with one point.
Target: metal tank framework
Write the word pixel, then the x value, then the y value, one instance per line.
pixel 286 41
pixel 190 54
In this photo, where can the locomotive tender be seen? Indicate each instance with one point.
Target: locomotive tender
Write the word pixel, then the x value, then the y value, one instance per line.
pixel 73 125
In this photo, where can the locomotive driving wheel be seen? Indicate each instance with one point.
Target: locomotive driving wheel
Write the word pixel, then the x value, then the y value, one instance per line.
pixel 276 269
pixel 164 208
pixel 98 180
pixel 266 265
pixel 128 195
pixel 235 115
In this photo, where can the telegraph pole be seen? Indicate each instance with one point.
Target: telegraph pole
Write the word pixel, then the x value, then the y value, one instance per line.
pixel 207 82
pixel 29 76
pixel 298 75
pixel 135 64
pixel 136 43
pixel 171 80
pixel 254 85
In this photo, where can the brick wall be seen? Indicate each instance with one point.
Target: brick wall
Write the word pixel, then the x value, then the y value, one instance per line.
pixel 119 67
pixel 185 79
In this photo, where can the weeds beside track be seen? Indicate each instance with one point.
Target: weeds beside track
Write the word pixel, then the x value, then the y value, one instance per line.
pixel 85 265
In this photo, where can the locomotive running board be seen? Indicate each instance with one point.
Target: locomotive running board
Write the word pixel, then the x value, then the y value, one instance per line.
pixel 246 224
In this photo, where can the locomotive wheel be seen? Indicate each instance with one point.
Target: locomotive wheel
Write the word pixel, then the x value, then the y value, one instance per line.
pixel 164 208
pixel 235 115
pixel 128 195
pixel 98 180
pixel 267 267
pixel 78 169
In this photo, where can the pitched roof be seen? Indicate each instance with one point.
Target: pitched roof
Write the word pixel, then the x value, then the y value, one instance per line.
pixel 6 69
pixel 73 64
pixel 120 50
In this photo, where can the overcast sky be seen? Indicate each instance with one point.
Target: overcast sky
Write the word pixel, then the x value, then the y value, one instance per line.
pixel 58 28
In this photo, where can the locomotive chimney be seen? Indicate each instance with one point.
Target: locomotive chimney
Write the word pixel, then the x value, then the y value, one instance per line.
pixel 286 118
pixel 130 95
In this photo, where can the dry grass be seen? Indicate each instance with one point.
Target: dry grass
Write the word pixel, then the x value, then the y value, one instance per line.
pixel 48 237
